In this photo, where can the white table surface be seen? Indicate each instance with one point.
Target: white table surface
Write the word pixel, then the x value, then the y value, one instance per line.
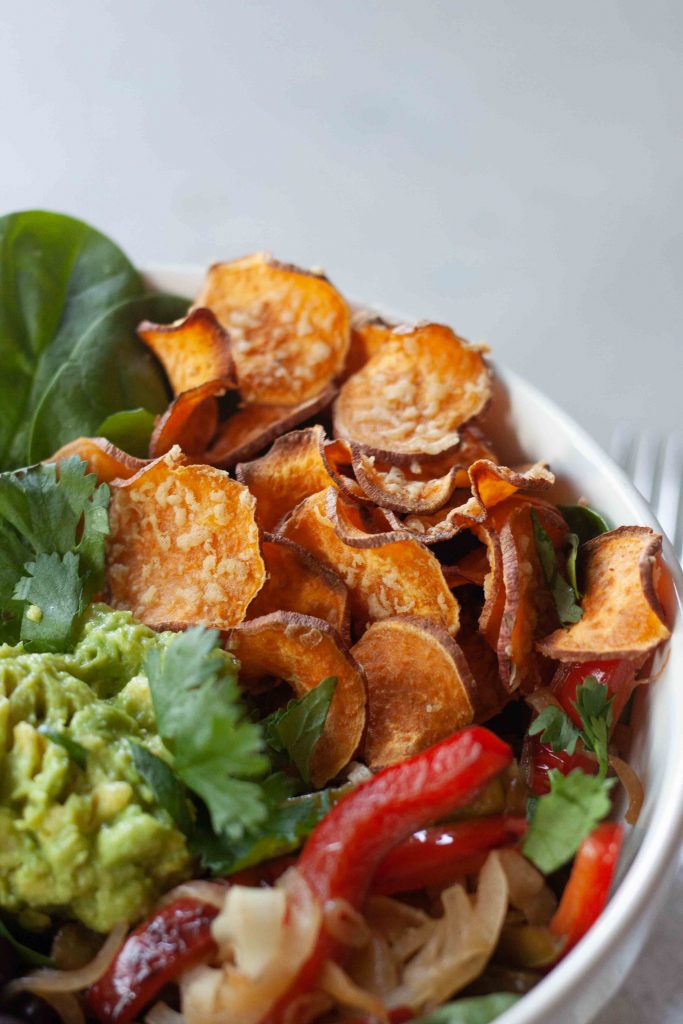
pixel 514 169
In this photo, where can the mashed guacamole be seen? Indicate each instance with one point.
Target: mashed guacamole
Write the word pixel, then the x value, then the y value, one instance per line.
pixel 87 843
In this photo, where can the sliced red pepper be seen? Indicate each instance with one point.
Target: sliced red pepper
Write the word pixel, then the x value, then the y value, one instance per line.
pixel 345 849
pixel 586 892
pixel 176 937
pixel 438 855
pixel 538 759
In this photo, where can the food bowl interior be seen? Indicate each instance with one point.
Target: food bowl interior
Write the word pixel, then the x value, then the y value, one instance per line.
pixel 525 426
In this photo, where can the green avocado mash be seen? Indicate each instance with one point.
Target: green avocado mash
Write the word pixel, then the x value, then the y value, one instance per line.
pixel 88 843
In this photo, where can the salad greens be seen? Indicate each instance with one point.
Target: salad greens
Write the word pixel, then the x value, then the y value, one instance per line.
pixel 477 1010
pixel 296 728
pixel 69 304
pixel 129 430
pixel 594 706
pixel 26 954
pixel 52 536
pixel 564 595
pixel 584 521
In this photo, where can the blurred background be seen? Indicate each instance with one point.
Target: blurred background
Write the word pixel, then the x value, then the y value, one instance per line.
pixel 513 169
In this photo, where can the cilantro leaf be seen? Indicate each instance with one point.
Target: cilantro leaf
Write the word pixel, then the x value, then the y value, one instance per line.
pixel 296 729
pixel 167 788
pixel 564 595
pixel 53 594
pixel 584 521
pixel 217 751
pixel 564 816
pixel 289 822
pixel 594 705
pixel 77 753
pixel 52 540
pixel 556 728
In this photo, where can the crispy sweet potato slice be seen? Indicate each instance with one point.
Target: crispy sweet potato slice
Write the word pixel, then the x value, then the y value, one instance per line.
pixel 529 609
pixel 252 427
pixel 414 393
pixel 622 615
pixel 402 488
pixel 290 471
pixel 298 582
pixel 303 651
pixel 289 327
pixel 472 568
pixel 369 331
pixel 420 688
pixel 337 459
pixel 184 545
pixel 397 578
pixel 104 459
pixel 491 694
pixel 492 483
pixel 192 351
pixel 190 421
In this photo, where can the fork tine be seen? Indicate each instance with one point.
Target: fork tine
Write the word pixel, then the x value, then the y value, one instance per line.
pixel 645 458
pixel 622 443
pixel 670 501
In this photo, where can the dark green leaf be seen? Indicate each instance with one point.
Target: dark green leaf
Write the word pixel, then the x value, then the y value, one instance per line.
pixel 564 816
pixel 108 369
pixel 556 729
pixel 217 750
pixel 563 595
pixel 29 956
pixel 288 824
pixel 130 430
pixel 57 277
pixel 572 552
pixel 167 788
pixel 77 753
pixel 585 522
pixel 476 1010
pixel 297 728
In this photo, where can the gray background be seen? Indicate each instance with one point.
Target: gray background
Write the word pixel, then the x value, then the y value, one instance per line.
pixel 511 168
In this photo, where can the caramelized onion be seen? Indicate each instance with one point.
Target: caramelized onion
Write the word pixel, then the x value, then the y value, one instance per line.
pixel 633 786
pixel 345 924
pixel 161 1013
pixel 47 981
pixel 336 983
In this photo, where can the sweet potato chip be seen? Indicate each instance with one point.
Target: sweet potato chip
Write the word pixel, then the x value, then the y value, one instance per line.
pixel 472 568
pixel 397 578
pixel 192 351
pixel 184 545
pixel 297 582
pixel 290 471
pixel 414 393
pixel 369 332
pixel 252 427
pixel 492 483
pixel 303 651
pixel 337 459
pixel 103 458
pixel 190 421
pixel 289 328
pixel 402 488
pixel 420 688
pixel 491 696
pixel 529 608
pixel 622 615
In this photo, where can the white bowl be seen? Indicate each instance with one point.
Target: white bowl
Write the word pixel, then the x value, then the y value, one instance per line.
pixel 523 423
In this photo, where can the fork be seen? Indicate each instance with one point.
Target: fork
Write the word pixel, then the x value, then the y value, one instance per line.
pixel 655 465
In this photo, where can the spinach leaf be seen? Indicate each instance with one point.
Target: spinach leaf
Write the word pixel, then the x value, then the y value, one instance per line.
pixel 476 1010
pixel 584 521
pixel 296 728
pixel 59 280
pixel 130 430
pixel 564 595
pixel 107 370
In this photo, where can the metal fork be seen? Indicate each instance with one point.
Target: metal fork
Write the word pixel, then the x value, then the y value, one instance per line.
pixel 655 465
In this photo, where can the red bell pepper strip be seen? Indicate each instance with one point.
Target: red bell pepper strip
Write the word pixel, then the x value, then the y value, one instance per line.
pixel 344 851
pixel 538 759
pixel 586 892
pixel 436 856
pixel 176 937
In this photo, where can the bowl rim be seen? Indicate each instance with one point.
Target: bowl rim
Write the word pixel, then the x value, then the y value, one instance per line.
pixel 654 862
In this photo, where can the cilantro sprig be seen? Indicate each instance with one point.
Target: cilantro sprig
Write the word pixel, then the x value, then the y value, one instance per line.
pixel 565 594
pixel 576 802
pixel 52 535
pixel 594 706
